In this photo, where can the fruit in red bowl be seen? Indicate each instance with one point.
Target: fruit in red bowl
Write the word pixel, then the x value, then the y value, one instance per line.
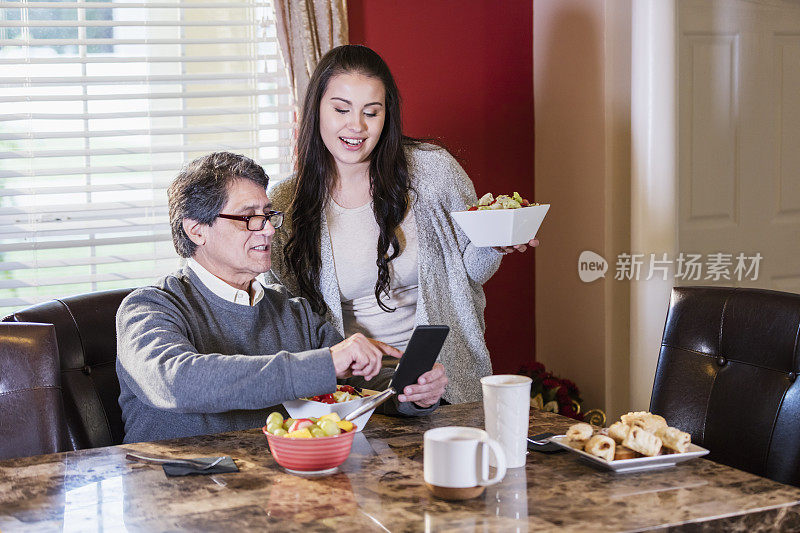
pixel 316 455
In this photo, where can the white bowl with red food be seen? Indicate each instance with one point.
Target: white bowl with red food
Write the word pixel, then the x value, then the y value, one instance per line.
pixel 341 404
pixel 501 221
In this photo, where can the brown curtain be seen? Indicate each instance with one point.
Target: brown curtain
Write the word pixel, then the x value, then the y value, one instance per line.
pixel 307 29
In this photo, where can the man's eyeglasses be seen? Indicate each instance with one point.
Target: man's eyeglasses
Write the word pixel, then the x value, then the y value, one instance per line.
pixel 257 222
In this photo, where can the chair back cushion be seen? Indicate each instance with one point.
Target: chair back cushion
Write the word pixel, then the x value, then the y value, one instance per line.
pixel 31 412
pixel 727 374
pixel 87 345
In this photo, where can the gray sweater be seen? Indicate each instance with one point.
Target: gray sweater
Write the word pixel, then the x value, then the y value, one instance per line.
pixel 451 270
pixel 192 363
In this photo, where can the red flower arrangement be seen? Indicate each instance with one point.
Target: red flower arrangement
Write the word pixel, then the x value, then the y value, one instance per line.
pixel 551 393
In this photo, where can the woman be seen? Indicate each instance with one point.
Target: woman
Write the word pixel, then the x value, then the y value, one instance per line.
pixel 368 238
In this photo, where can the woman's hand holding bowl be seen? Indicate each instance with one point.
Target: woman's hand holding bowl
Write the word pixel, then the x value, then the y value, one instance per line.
pixel 533 243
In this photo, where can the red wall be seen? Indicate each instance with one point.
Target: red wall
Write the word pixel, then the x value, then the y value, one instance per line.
pixel 465 73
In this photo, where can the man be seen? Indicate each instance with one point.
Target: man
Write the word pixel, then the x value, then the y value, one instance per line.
pixel 209 348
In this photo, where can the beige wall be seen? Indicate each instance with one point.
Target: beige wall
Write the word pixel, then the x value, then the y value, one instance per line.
pixel 582 128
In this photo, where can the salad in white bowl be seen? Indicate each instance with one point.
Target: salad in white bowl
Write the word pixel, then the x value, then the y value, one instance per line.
pixel 502 201
pixel 343 401
pixel 503 220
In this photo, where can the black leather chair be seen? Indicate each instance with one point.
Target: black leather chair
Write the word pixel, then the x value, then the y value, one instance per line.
pixel 31 412
pixel 727 374
pixel 87 346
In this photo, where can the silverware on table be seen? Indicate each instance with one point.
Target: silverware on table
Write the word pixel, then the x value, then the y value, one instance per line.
pixel 200 465
pixel 542 442
pixel 374 401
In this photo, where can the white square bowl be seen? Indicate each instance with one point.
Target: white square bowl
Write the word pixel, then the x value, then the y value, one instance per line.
pixel 501 227
pixel 307 408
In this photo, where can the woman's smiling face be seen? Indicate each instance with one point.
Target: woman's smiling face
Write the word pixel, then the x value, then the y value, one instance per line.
pixel 351 116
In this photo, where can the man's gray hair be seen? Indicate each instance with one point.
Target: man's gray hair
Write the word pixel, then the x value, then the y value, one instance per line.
pixel 200 191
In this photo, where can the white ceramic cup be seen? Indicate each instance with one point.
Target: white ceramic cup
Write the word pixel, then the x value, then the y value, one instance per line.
pixel 506 407
pixel 458 457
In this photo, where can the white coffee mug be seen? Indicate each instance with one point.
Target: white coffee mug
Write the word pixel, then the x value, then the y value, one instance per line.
pixel 506 408
pixel 457 461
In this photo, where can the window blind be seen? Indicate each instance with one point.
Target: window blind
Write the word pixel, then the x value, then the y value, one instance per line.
pixel 101 103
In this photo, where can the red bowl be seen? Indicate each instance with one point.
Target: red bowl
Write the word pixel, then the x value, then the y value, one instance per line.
pixel 315 455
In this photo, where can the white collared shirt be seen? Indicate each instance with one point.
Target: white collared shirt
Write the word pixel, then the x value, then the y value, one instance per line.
pixel 222 289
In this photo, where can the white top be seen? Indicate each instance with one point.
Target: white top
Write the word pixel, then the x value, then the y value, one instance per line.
pixel 354 239
pixel 222 289
pixel 452 270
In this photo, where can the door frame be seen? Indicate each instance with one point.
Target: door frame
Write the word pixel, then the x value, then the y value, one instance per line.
pixel 654 185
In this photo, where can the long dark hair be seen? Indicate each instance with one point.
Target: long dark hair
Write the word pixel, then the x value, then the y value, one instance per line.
pixel 316 170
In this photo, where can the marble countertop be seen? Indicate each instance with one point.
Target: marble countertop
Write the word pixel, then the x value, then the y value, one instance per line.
pixel 378 488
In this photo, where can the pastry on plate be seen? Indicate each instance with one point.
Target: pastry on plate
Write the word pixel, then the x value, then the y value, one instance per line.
pixel 674 439
pixel 576 444
pixel 647 421
pixel 618 431
pixel 621 452
pixel 601 446
pixel 580 432
pixel 643 442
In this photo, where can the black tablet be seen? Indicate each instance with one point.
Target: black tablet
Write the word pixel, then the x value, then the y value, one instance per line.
pixel 420 355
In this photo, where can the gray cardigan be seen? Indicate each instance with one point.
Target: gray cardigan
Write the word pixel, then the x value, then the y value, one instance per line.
pixel 451 270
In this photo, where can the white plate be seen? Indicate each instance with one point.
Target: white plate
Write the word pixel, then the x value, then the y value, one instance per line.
pixel 639 464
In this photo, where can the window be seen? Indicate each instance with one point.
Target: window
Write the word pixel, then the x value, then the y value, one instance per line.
pixel 101 103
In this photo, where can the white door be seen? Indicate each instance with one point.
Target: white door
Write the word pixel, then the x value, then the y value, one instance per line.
pixel 738 64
